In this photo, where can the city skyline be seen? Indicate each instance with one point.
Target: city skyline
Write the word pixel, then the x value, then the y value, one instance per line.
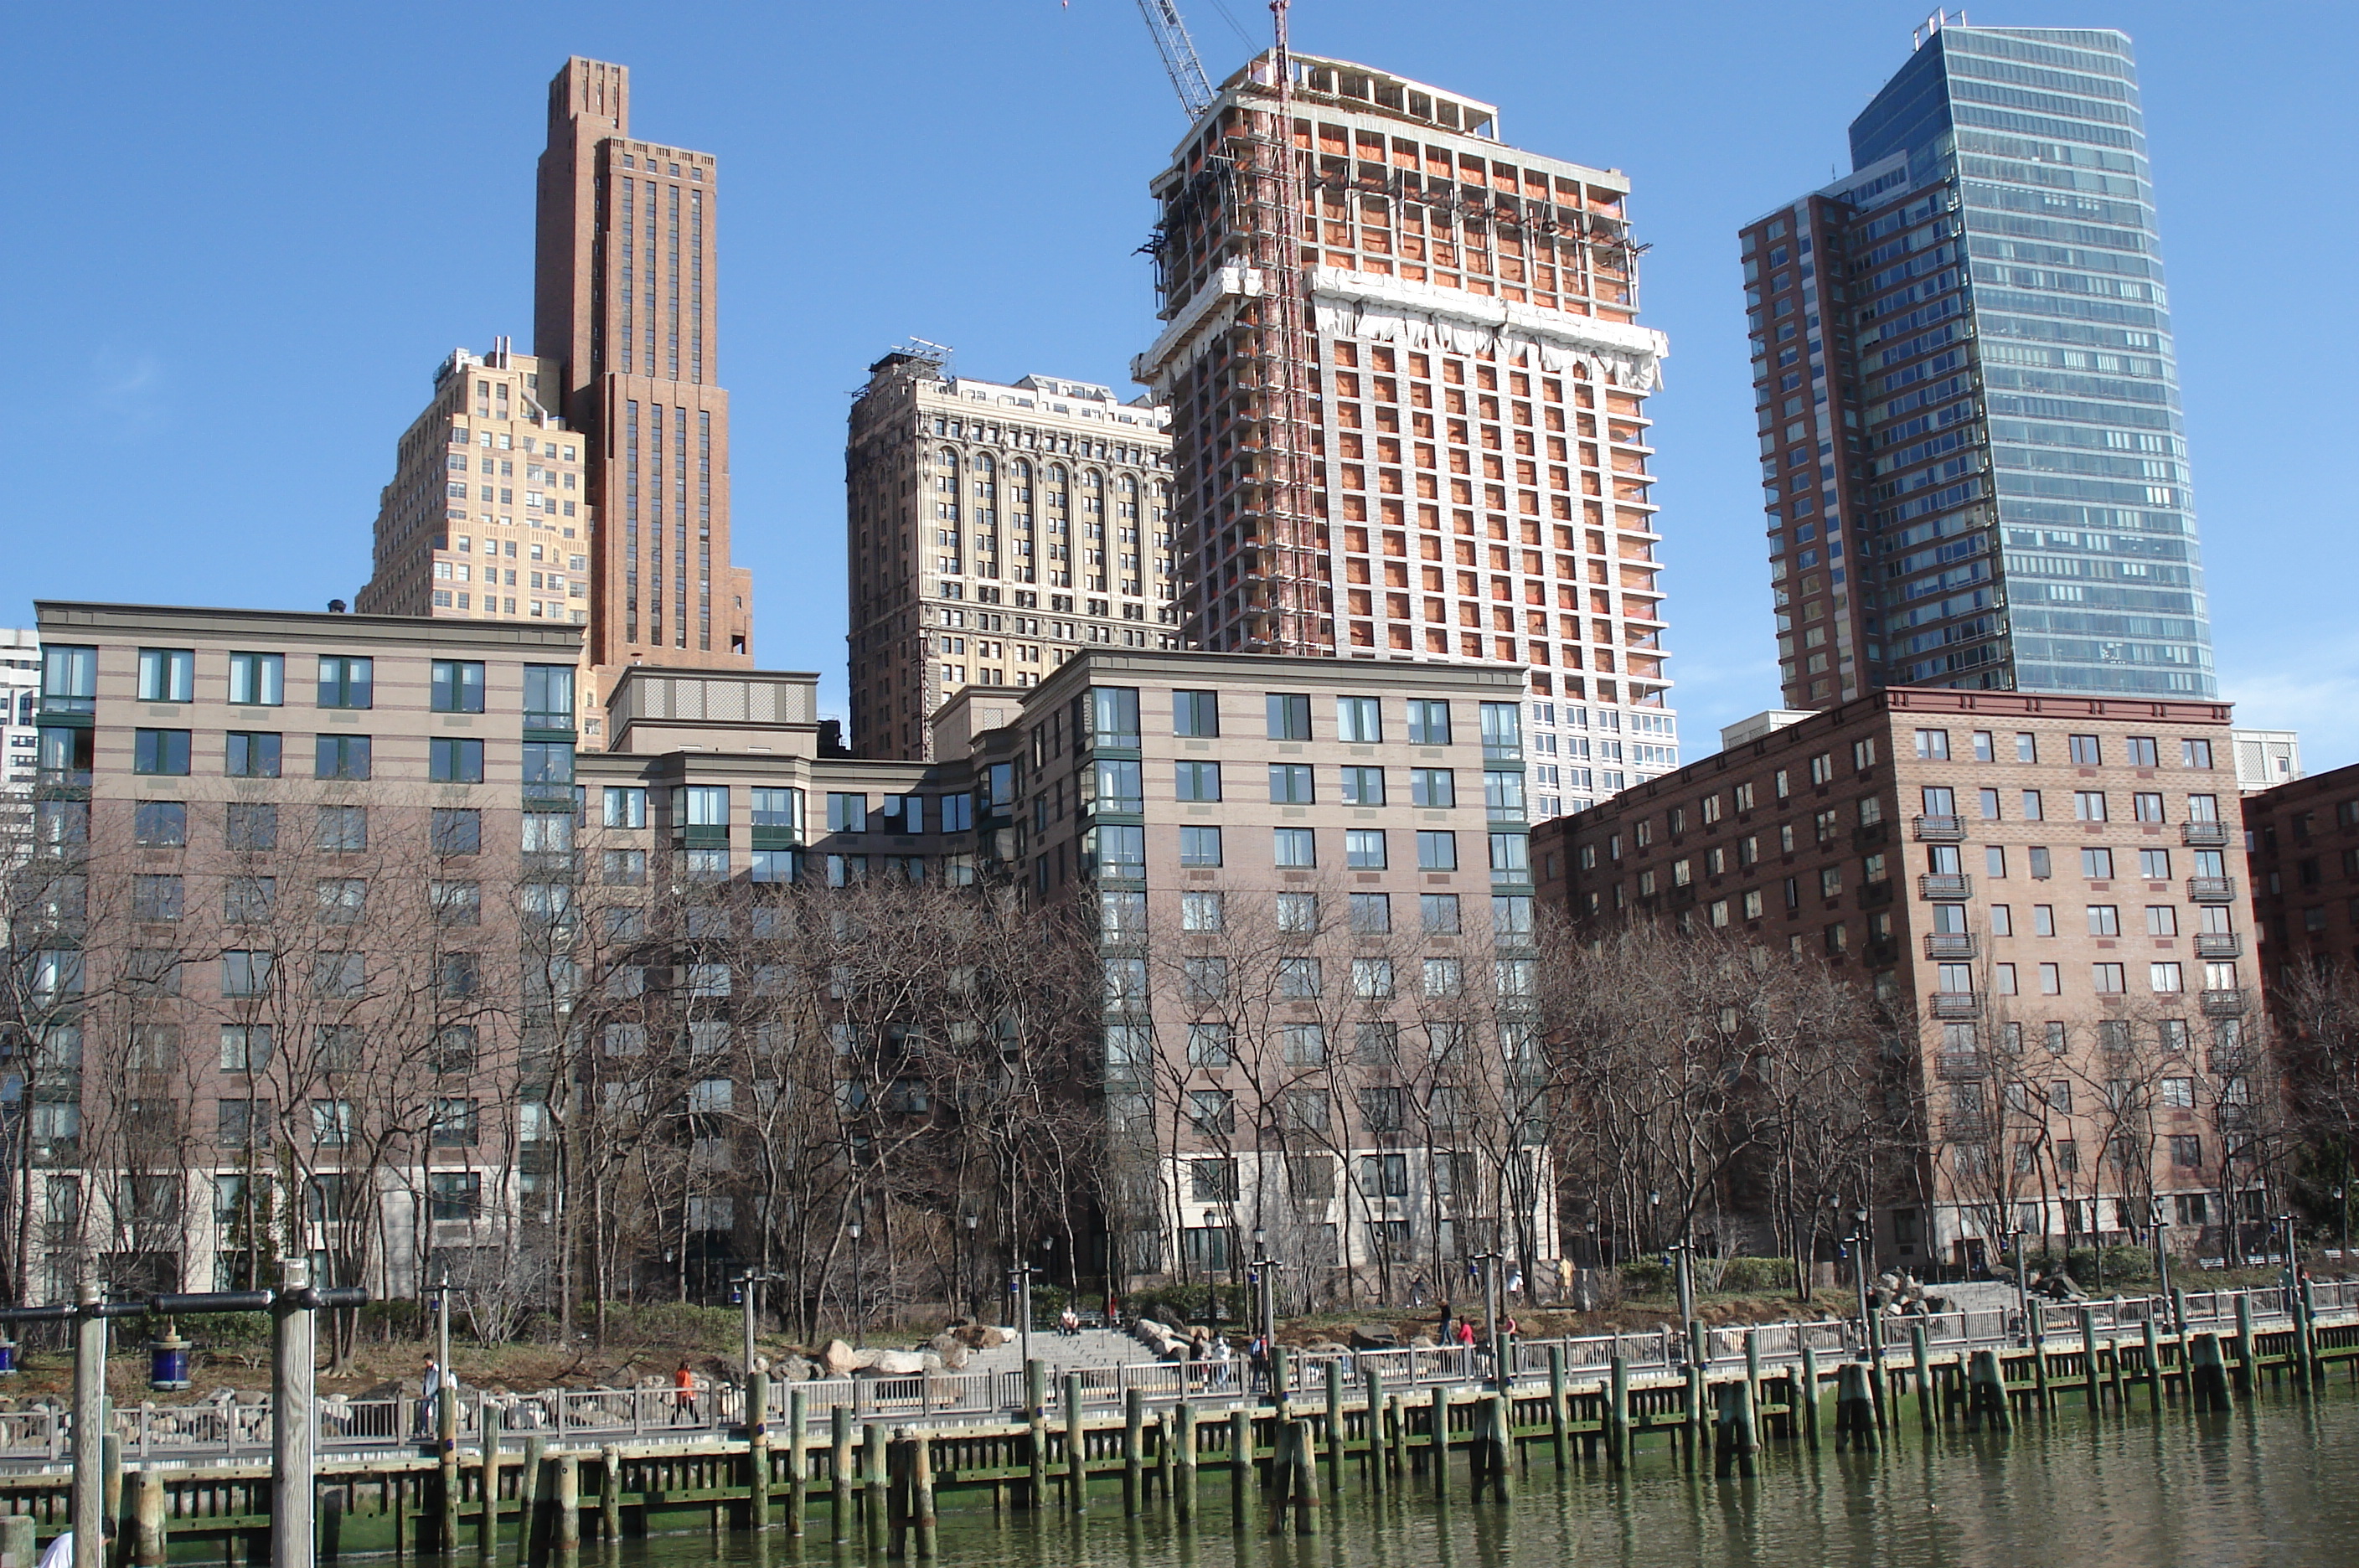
pixel 141 377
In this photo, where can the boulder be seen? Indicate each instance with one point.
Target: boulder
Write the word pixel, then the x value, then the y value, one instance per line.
pixel 838 1358
pixel 895 1363
pixel 957 1355
pixel 1373 1338
pixel 942 1343
pixel 997 1334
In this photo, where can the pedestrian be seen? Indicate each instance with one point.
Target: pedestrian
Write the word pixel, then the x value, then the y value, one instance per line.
pixel 1258 1358
pixel 683 1395
pixel 1466 1331
pixel 1447 1326
pixel 1416 1291
pixel 429 1386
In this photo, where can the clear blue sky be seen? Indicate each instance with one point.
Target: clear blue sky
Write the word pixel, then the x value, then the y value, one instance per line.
pixel 239 237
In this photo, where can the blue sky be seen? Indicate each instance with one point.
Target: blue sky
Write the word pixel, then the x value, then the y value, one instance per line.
pixel 241 236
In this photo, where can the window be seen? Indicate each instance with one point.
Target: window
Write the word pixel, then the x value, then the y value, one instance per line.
pixel 1196 713
pixel 341 757
pixel 1290 783
pixel 846 813
pixel 2205 807
pixel 1383 1175
pixel 2031 807
pixel 1995 861
pixel 1213 1112
pixel 453 1123
pixel 2051 979
pixel 258 680
pixel 1113 716
pixel 1298 912
pixel 1434 788
pixel 452 760
pixel 1822 769
pixel 456 831
pixel 250 753
pixel 2088 805
pixel 456 903
pixel 625 807
pixel 780 809
pixel 341 899
pixel 1436 851
pixel 1375 1043
pixel 2087 751
pixel 1197 780
pixel 1371 979
pixel 2146 807
pixel 1359 719
pixel 2166 978
pixel 1363 786
pixel 168 675
pixel 455 686
pixel 160 824
pixel 1200 912
pixel 1364 849
pixel 1429 721
pixel 2097 865
pixel 340 976
pixel 1209 1044
pixel 546 762
pixel 250 826
pixel 2195 754
pixel 2104 920
pixel 163 753
pixel 1502 731
pixel 341 829
pixel 1200 846
pixel 346 682
pixel 2186 1152
pixel 1438 913
pixel 156 898
pixel 2154 865
pixel 548 696
pixel 1933 745
pixel 2041 868
pixel 246 974
pixel 1370 913
pixel 1289 715
pixel 1863 753
pixel 2107 979
pixel 1986 746
pixel 452 1196
pixel 1298 979
pixel 1293 848
pixel 1830 881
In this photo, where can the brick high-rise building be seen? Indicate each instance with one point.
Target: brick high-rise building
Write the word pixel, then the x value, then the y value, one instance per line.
pixel 623 325
pixel 994 531
pixel 1406 383
pixel 1973 461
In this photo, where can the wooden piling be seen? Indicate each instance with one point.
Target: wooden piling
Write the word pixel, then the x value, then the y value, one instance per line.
pixel 610 1497
pixel 922 1489
pixel 1397 1428
pixel 17 1542
pixel 528 1494
pixel 798 1463
pixel 875 1502
pixel 1986 1393
pixel 1855 1424
pixel 2207 1375
pixel 1617 1414
pixel 1183 1484
pixel 1697 1416
pixel 446 1442
pixel 2153 1368
pixel 1335 1430
pixel 1920 1374
pixel 1372 1380
pixel 1240 1464
pixel 839 1473
pixel 2247 1351
pixel 1494 1442
pixel 1559 1411
pixel 1133 1451
pixel 1437 1457
pixel 148 1516
pixel 2093 1390
pixel 1166 1455
pixel 569 1506
pixel 487 1514
pixel 2037 1337
pixel 1036 1426
pixel 1306 1480
pixel 1806 1397
pixel 1077 1448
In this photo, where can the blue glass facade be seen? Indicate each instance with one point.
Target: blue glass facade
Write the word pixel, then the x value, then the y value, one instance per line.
pixel 1989 411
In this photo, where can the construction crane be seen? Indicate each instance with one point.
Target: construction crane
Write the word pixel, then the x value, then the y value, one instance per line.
pixel 1178 51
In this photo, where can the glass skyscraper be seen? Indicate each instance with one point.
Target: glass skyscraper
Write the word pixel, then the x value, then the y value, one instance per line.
pixel 1973 461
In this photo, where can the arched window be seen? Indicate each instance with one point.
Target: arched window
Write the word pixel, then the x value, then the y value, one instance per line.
pixel 1056 473
pixel 947 460
pixel 983 466
pixel 1021 472
pixel 1093 479
pixel 1129 485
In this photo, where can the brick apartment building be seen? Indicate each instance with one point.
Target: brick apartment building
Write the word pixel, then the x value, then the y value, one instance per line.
pixel 2047 887
pixel 2304 842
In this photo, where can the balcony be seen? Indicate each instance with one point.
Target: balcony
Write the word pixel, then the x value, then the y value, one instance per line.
pixel 1874 895
pixel 1963 1064
pixel 1957 1004
pixel 2224 1004
pixel 2219 944
pixel 1870 836
pixel 2205 835
pixel 2231 1058
pixel 1946 885
pixel 1950 944
pixel 1940 830
pixel 2212 889
pixel 1965 1126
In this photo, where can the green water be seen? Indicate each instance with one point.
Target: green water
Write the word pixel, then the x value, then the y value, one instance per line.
pixel 2274 1484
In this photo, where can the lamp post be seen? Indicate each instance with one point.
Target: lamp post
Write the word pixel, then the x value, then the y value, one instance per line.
pixel 744 1287
pixel 1265 1269
pixel 968 1267
pixel 2022 1280
pixel 1490 1262
pixel 2161 1224
pixel 2345 1209
pixel 1861 1241
pixel 1019 1288
pixel 859 1315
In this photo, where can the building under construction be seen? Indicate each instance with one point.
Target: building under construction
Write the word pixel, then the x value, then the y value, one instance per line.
pixel 1407 384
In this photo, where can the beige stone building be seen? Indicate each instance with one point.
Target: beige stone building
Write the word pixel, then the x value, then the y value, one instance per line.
pixel 992 531
pixel 2046 890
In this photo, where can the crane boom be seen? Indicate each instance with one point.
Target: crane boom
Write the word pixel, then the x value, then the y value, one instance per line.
pixel 1178 51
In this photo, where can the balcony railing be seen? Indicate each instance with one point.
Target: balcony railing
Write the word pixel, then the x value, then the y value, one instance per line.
pixel 1950 944
pixel 1940 830
pixel 2201 836
pixel 2224 1004
pixel 1945 885
pixel 1963 1064
pixel 2219 944
pixel 1957 1004
pixel 2212 889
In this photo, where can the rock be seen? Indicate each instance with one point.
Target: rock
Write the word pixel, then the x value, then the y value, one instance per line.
pixel 1327 1347
pixel 997 1334
pixel 957 1355
pixel 1424 1341
pixel 1373 1339
pixel 838 1358
pixel 895 1363
pixel 794 1368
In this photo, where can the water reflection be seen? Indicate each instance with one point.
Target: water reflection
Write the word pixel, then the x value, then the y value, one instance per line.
pixel 2272 1482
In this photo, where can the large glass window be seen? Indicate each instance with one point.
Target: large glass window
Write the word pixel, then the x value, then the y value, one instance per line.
pixel 258 680
pixel 1196 713
pixel 341 756
pixel 69 679
pixel 1359 719
pixel 456 686
pixel 160 752
pixel 347 682
pixel 1289 715
pixel 1429 721
pixel 453 759
pixel 1113 716
pixel 168 675
pixel 548 696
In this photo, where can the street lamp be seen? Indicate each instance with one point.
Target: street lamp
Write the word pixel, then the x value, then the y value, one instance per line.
pixel 2162 1260
pixel 1679 1251
pixel 2022 1279
pixel 1264 1272
pixel 1860 1241
pixel 2345 1209
pixel 859 1316
pixel 974 1302
pixel 743 1291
